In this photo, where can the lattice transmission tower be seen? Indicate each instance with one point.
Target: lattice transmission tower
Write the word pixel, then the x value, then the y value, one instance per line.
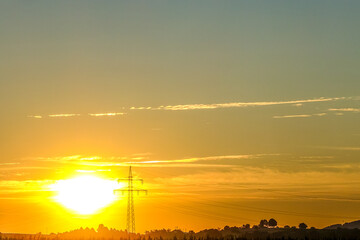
pixel 130 189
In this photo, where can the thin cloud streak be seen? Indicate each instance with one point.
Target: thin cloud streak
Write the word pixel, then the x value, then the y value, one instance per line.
pixel 35 116
pixel 190 160
pixel 319 114
pixel 67 159
pixel 96 161
pixel 67 115
pixel 235 104
pixel 293 116
pixel 9 163
pixel 345 109
pixel 106 114
pixel 183 107
pixel 63 115
pixel 301 115
pixel 24 186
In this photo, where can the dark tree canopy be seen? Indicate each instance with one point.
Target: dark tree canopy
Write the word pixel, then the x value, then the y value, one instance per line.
pixel 302 226
pixel 247 226
pixel 272 222
pixel 232 233
pixel 263 223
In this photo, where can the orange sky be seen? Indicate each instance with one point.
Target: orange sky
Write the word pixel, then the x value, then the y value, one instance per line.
pixel 230 112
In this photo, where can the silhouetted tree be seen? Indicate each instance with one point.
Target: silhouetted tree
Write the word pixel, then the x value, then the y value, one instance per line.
pixel 272 222
pixel 246 226
pixel 302 226
pixel 263 223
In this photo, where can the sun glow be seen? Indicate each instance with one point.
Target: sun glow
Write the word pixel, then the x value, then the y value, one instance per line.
pixel 85 194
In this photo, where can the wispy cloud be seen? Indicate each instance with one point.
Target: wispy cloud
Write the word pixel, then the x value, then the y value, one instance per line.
pixel 236 104
pixel 298 105
pixel 293 116
pixel 144 108
pixel 92 161
pixel 15 168
pixel 67 158
pixel 345 109
pixel 63 115
pixel 182 107
pixel 24 186
pixel 67 115
pixel 301 115
pixel 197 159
pixel 9 163
pixel 144 161
pixel 319 114
pixel 106 114
pixel 35 116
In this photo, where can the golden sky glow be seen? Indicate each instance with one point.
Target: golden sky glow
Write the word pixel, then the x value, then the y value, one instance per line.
pixel 231 112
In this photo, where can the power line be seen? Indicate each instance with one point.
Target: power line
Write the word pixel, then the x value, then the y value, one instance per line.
pixel 130 189
pixel 237 206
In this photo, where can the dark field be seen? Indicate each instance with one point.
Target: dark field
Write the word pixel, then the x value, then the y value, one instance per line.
pixel 228 233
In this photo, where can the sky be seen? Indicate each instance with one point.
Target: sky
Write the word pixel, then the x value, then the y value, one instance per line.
pixel 231 111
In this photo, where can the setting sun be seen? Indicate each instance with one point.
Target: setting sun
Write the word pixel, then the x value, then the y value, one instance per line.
pixel 179 120
pixel 85 194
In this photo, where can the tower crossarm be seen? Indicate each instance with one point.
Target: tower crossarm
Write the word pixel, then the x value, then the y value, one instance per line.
pixel 130 189
pixel 119 180
pixel 138 191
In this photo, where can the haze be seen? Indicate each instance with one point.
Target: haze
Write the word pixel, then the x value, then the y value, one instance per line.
pixel 231 111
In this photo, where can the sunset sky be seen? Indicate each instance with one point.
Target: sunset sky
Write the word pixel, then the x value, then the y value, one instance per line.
pixel 231 111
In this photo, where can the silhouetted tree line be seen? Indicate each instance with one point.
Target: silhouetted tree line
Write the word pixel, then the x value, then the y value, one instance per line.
pixel 265 230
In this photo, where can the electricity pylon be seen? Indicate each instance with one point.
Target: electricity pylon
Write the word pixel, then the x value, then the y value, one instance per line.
pixel 130 224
